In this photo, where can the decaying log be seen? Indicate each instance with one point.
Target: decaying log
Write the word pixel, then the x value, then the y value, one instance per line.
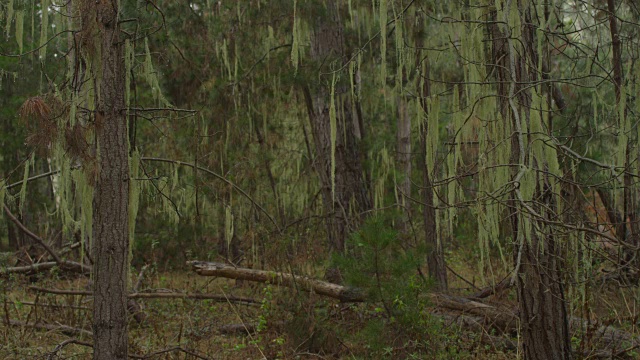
pixel 504 320
pixel 237 329
pixel 342 293
pixel 490 290
pixel 40 267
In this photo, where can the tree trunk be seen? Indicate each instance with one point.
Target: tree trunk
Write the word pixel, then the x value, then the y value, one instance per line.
pixel 110 247
pixel 629 196
pixel 543 313
pixel 403 156
pixel 542 306
pixel 435 252
pixel 344 191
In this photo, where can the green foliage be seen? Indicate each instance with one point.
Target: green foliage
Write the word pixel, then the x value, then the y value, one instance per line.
pixel 377 260
pixel 378 263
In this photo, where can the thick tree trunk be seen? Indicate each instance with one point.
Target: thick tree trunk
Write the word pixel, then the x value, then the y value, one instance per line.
pixel 344 191
pixel 110 245
pixel 542 306
pixel 543 313
pixel 435 252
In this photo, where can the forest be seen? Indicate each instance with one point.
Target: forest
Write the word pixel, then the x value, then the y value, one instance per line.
pixel 319 179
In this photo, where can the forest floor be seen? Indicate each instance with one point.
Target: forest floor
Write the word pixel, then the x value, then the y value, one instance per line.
pixel 247 320
pixel 281 324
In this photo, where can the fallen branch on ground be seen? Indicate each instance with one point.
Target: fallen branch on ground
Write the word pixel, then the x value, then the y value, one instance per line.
pixel 54 354
pixel 63 264
pixel 65 329
pixel 57 306
pixel 33 268
pixel 155 295
pixel 342 293
pixel 490 290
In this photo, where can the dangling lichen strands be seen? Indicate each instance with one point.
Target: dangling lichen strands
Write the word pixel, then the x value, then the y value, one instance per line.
pixel 296 39
pixel 134 196
pixel 19 29
pixel 9 17
pixel 44 27
pixel 23 188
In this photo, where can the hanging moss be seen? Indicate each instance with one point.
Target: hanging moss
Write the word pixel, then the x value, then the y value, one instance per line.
pixel 9 17
pixel 383 42
pixel 225 58
pixel 44 27
pixel 334 133
pixel 19 29
pixel 295 45
pixel 228 227
pixel 433 134
pixel 151 76
pixel 134 195
pixel 23 188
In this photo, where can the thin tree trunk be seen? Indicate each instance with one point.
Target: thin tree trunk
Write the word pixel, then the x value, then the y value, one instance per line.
pixel 629 200
pixel 110 245
pixel 403 156
pixel 435 252
pixel 344 191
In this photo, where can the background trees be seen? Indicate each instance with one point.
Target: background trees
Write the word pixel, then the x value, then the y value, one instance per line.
pixel 266 133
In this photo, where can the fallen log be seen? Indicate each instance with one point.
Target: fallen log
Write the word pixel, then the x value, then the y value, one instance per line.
pixel 342 293
pixel 490 290
pixel 503 319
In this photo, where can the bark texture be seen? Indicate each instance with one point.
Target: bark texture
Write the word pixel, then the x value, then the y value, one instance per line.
pixel 542 305
pixel 110 247
pixel 350 195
